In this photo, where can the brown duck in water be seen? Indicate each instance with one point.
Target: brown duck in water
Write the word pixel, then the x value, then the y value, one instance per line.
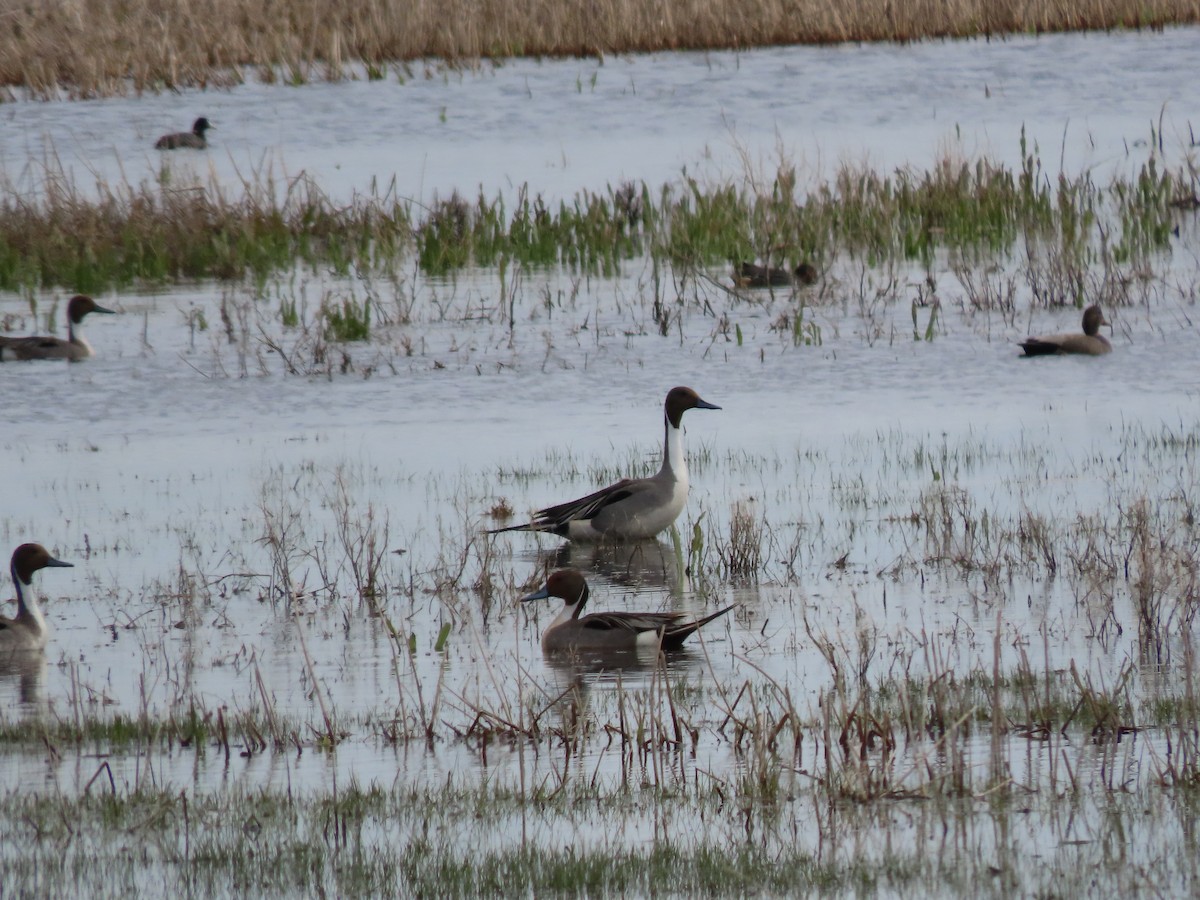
pixel 751 275
pixel 194 139
pixel 1090 343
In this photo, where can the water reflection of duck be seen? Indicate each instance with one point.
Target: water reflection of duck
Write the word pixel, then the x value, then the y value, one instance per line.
pixel 609 631
pixel 633 508
pixel 584 669
pixel 193 140
pixel 749 274
pixel 74 348
pixel 1090 343
pixel 649 563
pixel 28 671
pixel 28 630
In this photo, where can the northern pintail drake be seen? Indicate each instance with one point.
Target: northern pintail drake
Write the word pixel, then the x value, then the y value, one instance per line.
pixel 1090 343
pixel 28 631
pixel 608 631
pixel 633 508
pixel 755 276
pixel 194 139
pixel 74 348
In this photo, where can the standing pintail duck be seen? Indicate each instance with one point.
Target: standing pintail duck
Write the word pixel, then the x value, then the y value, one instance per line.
pixel 74 348
pixel 192 140
pixel 1090 343
pixel 611 631
pixel 633 508
pixel 751 275
pixel 28 631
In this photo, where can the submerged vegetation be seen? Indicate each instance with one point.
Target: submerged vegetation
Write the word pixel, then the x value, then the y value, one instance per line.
pixel 457 841
pixel 900 745
pixel 96 49
pixel 161 233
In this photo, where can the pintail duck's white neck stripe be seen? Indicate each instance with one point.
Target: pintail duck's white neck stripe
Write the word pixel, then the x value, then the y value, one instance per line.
pixel 27 598
pixel 75 336
pixel 19 582
pixel 674 458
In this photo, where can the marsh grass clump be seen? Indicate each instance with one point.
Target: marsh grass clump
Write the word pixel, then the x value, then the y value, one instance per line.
pixel 363 541
pixel 159 233
pixel 976 210
pixel 1162 571
pixel 1146 210
pixel 444 238
pixel 591 233
pixel 156 234
pixel 348 321
pixel 187 724
pixel 742 555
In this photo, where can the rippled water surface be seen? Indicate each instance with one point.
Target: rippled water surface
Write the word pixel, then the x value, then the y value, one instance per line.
pixel 568 125
pixel 211 501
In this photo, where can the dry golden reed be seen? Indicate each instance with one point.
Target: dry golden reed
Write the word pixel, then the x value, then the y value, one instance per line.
pixel 101 47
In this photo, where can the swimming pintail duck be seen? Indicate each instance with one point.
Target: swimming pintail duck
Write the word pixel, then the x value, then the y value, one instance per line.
pixel 74 348
pixel 613 631
pixel 755 276
pixel 633 508
pixel 28 631
pixel 1090 343
pixel 193 140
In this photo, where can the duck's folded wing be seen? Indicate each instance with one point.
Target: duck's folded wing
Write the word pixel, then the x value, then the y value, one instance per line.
pixel 557 519
pixel 587 507
pixel 1042 346
pixel 25 347
pixel 636 623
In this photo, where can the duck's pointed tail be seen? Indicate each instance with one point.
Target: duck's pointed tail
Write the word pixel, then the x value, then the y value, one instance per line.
pixel 673 637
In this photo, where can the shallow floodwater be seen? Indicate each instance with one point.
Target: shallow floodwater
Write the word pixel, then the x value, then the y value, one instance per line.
pixel 213 504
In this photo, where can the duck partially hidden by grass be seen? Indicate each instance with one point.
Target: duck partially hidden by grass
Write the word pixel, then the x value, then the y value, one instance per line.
pixel 608 631
pixel 748 274
pixel 28 630
pixel 194 139
pixel 74 348
pixel 1090 343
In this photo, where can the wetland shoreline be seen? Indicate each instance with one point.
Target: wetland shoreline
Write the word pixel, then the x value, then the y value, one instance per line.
pixel 101 49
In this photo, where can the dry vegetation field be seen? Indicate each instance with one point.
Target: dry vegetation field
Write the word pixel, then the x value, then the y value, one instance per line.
pixel 113 46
